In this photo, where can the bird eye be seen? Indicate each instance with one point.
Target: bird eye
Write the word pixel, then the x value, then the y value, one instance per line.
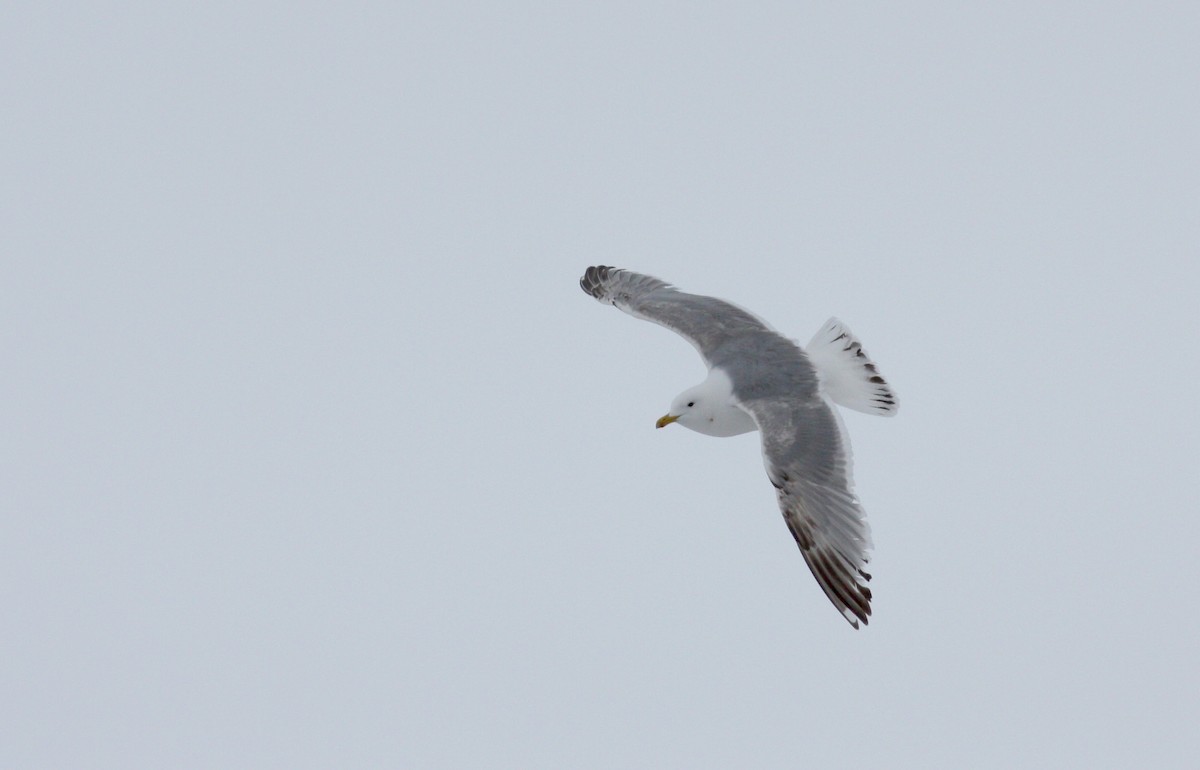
pixel 691 403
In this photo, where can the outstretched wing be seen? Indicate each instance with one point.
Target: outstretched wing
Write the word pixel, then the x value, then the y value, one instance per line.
pixel 808 461
pixel 706 322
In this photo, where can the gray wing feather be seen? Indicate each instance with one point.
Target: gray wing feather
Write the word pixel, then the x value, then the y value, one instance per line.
pixel 808 462
pixel 705 322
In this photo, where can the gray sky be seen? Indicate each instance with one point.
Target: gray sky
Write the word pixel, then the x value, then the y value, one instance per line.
pixel 315 455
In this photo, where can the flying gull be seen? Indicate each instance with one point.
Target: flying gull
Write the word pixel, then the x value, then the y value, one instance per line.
pixel 760 380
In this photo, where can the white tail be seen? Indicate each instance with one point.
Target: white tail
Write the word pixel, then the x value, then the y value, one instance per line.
pixel 847 375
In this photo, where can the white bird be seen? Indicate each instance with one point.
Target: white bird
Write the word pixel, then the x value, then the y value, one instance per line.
pixel 760 380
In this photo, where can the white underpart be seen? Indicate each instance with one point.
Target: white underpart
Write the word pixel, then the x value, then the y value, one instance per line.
pixel 715 412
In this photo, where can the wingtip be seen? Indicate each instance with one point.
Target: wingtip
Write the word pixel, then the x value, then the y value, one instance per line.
pixel 593 280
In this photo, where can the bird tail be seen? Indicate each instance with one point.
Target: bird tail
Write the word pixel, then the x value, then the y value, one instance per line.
pixel 848 375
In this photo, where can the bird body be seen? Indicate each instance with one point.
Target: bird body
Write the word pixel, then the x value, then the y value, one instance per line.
pixel 760 380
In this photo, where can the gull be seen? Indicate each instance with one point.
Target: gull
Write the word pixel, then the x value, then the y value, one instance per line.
pixel 760 380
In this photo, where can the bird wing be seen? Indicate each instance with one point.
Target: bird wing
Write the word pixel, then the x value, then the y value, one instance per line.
pixel 807 457
pixel 705 322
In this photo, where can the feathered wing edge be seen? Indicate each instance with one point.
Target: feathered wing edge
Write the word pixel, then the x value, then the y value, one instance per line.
pixel 840 578
pixel 806 455
pixel 705 322
pixel 616 286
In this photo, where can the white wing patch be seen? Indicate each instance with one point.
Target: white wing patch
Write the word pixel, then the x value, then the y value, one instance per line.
pixel 848 375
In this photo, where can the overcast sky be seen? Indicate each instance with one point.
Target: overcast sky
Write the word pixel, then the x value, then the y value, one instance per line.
pixel 313 454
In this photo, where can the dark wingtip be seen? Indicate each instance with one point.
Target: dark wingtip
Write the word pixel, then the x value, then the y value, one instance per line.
pixel 593 280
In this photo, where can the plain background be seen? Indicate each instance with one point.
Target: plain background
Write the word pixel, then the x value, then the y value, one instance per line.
pixel 314 454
